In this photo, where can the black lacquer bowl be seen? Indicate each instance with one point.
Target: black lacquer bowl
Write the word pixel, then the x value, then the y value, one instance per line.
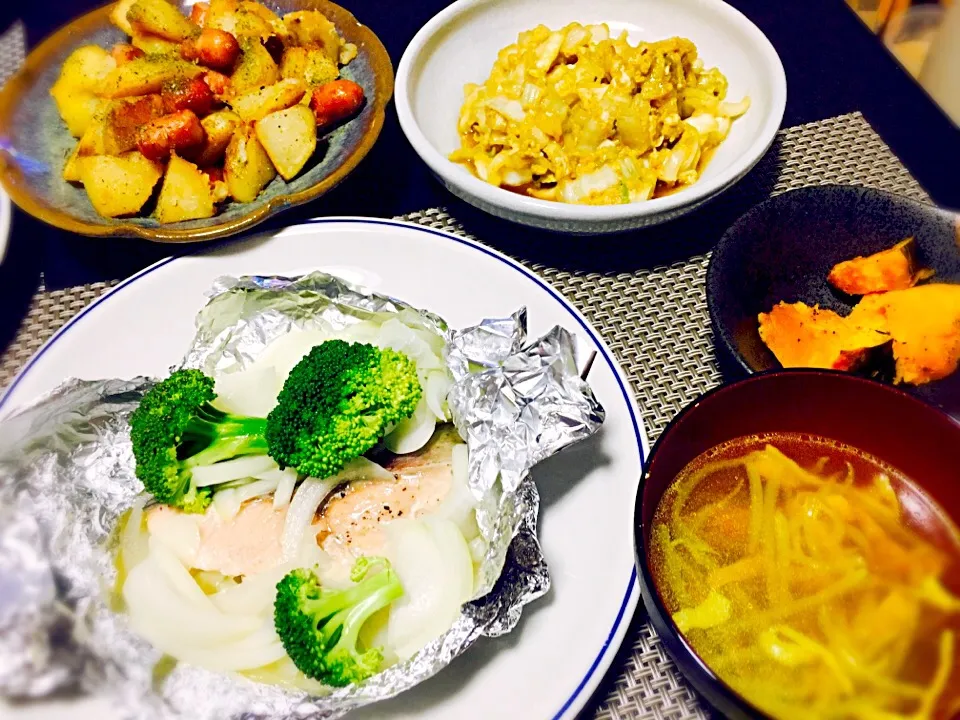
pixel 784 248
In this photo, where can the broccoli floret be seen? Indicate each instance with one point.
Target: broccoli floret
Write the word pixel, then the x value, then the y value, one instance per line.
pixel 337 403
pixel 320 628
pixel 176 428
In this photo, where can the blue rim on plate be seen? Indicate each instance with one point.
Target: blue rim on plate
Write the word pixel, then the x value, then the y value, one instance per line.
pixel 632 589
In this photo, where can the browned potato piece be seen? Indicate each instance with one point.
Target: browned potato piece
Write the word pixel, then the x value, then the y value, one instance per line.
pixel 153 45
pixel 254 69
pixel 119 185
pixel 92 141
pixel 247 167
pixel 186 193
pixel 311 27
pixel 290 139
pixel 123 119
pixel 118 16
pixel 251 25
pixel 265 14
pixel 308 64
pixel 160 18
pixel 71 169
pixel 259 103
pixel 219 127
pixel 222 15
pixel 146 75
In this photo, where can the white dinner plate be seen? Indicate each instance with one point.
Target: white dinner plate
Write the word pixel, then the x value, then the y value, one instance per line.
pixel 551 663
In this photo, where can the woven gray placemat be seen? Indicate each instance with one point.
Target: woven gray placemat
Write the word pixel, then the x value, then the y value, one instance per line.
pixel 656 323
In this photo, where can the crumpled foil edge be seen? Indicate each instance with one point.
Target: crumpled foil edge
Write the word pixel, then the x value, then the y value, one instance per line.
pixel 66 476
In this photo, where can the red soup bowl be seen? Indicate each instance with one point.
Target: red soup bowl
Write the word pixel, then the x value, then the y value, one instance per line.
pixel 915 438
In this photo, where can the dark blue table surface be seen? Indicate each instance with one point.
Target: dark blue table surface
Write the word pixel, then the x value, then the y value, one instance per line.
pixel 834 65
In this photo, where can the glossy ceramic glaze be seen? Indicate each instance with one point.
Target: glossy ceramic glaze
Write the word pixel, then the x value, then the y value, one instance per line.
pixel 34 141
pixel 460 44
pixel 892 425
pixel 784 248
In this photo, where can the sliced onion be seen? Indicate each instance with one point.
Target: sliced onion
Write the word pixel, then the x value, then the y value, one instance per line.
pixel 285 674
pixel 434 565
pixel 178 577
pixel 478 549
pixel 312 492
pixel 435 392
pixel 178 531
pixel 285 488
pixel 457 556
pixel 413 433
pixel 167 614
pixel 244 654
pixel 459 505
pixel 229 470
pixel 415 344
pixel 252 391
pixel 301 512
pixel 255 489
pixel 254 596
pixel 133 540
pixel 227 504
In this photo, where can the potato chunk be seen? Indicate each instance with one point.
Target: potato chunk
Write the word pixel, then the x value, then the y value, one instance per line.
pixel 219 127
pixel 71 168
pixel 160 18
pixel 146 75
pixel 290 139
pixel 257 104
pixel 118 185
pixel 75 91
pixel 153 45
pixel 308 64
pixel 118 16
pixel 186 193
pixel 255 69
pixel 123 120
pixel 247 167
pixel 311 27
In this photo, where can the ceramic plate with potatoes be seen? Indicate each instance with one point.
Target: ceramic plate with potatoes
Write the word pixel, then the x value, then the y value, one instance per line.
pixel 180 121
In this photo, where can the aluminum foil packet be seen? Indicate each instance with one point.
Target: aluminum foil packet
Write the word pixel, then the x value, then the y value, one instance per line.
pixel 67 476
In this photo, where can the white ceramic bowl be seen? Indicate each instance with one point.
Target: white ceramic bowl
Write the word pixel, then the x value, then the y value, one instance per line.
pixel 460 44
pixel 6 215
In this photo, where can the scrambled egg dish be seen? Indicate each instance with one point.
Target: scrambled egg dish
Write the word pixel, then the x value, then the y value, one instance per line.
pixel 577 116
